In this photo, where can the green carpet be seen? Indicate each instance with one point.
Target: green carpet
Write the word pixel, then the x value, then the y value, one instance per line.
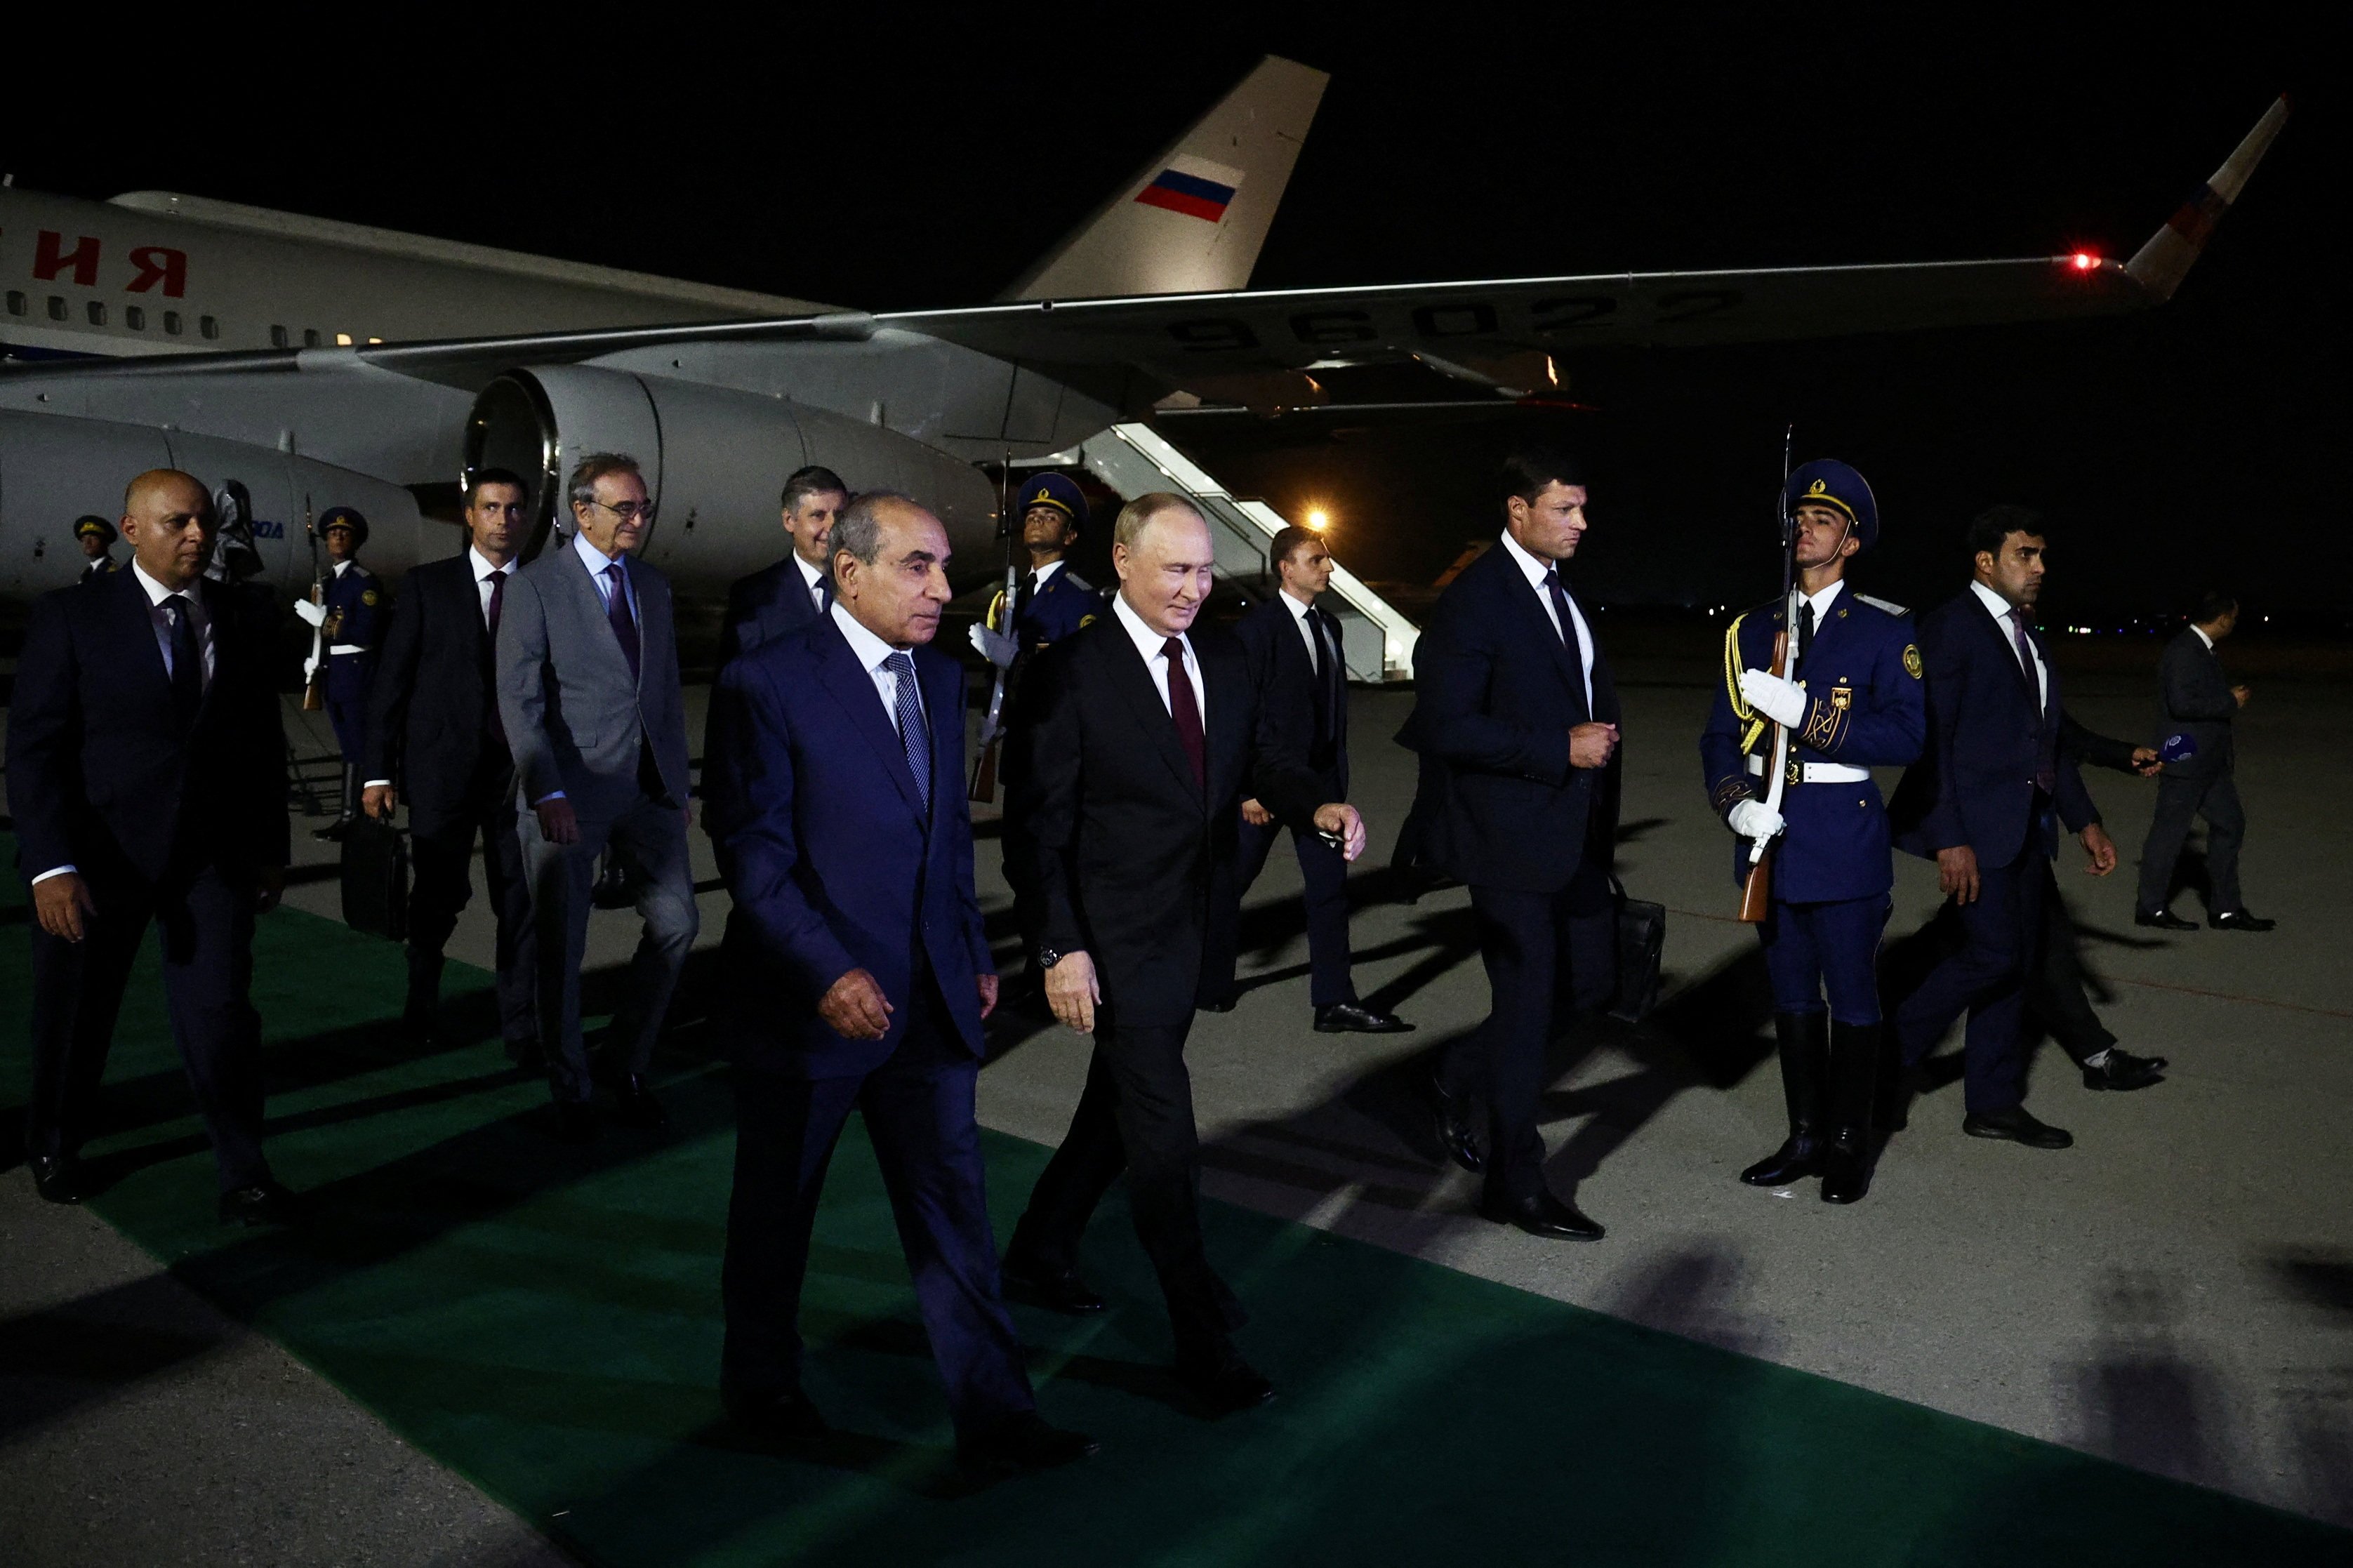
pixel 547 1322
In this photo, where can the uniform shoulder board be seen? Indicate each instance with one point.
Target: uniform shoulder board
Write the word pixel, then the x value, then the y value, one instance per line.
pixel 360 571
pixel 1075 581
pixel 1888 605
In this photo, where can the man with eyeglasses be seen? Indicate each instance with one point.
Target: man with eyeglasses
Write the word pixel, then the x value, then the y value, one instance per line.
pixel 589 693
pixel 435 744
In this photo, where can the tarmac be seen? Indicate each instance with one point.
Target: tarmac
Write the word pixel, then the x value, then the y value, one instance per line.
pixel 2174 1292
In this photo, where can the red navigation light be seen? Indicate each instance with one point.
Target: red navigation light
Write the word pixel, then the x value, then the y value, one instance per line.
pixel 2083 261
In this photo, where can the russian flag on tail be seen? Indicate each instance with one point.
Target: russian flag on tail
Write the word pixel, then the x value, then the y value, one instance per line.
pixel 1194 186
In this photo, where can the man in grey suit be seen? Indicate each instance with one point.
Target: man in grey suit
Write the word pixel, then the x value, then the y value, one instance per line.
pixel 588 691
pixel 2198 703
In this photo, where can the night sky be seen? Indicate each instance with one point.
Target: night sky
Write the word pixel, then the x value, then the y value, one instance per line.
pixel 904 162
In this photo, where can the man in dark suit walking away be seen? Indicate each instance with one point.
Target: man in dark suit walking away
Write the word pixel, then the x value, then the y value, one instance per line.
pixel 2198 702
pixel 795 591
pixel 147 779
pixel 856 978
pixel 435 741
pixel 1516 710
pixel 589 695
pixel 1293 642
pixel 1983 801
pixel 1140 735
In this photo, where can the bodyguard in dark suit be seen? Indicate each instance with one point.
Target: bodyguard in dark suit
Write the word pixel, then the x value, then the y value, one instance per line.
pixel 1139 736
pixel 795 590
pixel 1293 644
pixel 857 975
pixel 589 695
pixel 1516 707
pixel 2198 702
pixel 1983 801
pixel 436 742
pixel 147 779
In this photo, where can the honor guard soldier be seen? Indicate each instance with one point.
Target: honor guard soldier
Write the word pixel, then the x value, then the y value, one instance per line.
pixel 95 537
pixel 1853 700
pixel 350 602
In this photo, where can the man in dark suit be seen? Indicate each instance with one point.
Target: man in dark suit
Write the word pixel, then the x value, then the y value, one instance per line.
pixel 795 590
pixel 1294 644
pixel 1139 737
pixel 589 695
pixel 1981 802
pixel 434 740
pixel 857 977
pixel 147 779
pixel 1516 708
pixel 2198 702
pixel 2058 995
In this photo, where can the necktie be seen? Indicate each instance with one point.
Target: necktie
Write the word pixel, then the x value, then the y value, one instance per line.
pixel 1185 706
pixel 1327 676
pixel 498 603
pixel 2046 774
pixel 1805 635
pixel 617 610
pixel 1022 601
pixel 822 591
pixel 913 735
pixel 498 600
pixel 187 659
pixel 2026 658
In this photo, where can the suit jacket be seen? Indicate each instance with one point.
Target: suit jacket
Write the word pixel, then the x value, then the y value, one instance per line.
pixel 2195 700
pixel 1268 634
pixel 435 691
pixel 1497 693
pixel 575 719
pixel 834 862
pixel 765 606
pixel 2088 745
pixel 1975 783
pixel 1124 841
pixel 103 770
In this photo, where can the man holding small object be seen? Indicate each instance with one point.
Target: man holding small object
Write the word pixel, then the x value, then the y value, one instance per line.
pixel 1851 701
pixel 2198 701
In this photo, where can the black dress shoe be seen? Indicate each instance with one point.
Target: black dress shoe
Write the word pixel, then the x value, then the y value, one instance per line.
pixel 1542 1213
pixel 636 1105
pixel 57 1177
pixel 2122 1070
pixel 1455 1134
pixel 1022 1446
pixel 1799 1156
pixel 575 1121
pixel 2239 920
pixel 2162 920
pixel 1356 1018
pixel 1056 1290
pixel 1846 1166
pixel 1217 1004
pixel 787 1417
pixel 1225 1387
pixel 2018 1126
pixel 264 1203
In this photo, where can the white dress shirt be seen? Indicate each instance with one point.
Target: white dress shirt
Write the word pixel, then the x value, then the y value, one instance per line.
pixel 874 655
pixel 596 561
pixel 1821 602
pixel 1535 568
pixel 161 618
pixel 1302 617
pixel 2007 619
pixel 812 577
pixel 1148 643
pixel 2203 637
pixel 483 567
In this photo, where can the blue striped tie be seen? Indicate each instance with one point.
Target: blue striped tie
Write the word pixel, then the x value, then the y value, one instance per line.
pixel 913 735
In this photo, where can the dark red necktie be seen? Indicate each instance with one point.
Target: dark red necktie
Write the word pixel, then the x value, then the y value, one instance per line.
pixel 498 603
pixel 624 625
pixel 1185 708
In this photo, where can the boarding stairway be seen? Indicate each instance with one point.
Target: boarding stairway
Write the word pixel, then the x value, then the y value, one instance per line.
pixel 1376 641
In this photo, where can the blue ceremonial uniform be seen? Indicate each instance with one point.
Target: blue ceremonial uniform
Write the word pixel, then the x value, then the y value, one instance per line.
pixel 359 596
pixel 1060 606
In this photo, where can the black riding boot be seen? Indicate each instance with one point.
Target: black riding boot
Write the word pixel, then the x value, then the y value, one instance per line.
pixel 1805 1052
pixel 335 831
pixel 1854 1077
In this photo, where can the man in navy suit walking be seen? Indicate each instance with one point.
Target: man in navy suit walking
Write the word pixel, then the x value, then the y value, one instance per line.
pixel 1984 801
pixel 856 976
pixel 1516 721
pixel 795 591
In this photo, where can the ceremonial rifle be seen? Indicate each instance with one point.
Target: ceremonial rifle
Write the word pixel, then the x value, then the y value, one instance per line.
pixel 1757 891
pixel 992 727
pixel 314 687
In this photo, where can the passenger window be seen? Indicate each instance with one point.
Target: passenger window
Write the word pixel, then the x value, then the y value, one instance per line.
pixel 279 338
pixel 208 325
pixel 134 317
pixel 58 308
pixel 309 337
pixel 17 303
pixel 96 310
pixel 172 323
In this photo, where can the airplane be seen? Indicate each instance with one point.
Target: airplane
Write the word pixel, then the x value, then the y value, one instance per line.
pixel 325 363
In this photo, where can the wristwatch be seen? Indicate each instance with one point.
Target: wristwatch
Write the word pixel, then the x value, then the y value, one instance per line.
pixel 1047 957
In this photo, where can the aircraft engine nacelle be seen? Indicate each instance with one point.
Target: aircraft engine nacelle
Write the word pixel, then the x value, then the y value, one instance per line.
pixel 714 460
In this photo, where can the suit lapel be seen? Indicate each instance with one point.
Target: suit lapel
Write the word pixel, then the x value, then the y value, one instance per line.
pixel 1535 620
pixel 1135 684
pixel 136 617
pixel 590 600
pixel 854 689
pixel 2001 639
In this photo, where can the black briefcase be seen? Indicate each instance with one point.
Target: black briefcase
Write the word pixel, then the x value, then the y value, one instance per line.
pixel 375 879
pixel 1641 939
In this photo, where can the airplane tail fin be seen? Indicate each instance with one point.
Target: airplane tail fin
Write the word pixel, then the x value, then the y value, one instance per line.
pixel 1192 219
pixel 2160 265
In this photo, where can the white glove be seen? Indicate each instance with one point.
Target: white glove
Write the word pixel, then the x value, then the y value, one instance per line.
pixel 1754 818
pixel 995 646
pixel 1783 701
pixel 315 613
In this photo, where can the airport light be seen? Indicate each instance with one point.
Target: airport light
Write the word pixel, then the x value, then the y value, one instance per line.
pixel 2083 261
pixel 1318 519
